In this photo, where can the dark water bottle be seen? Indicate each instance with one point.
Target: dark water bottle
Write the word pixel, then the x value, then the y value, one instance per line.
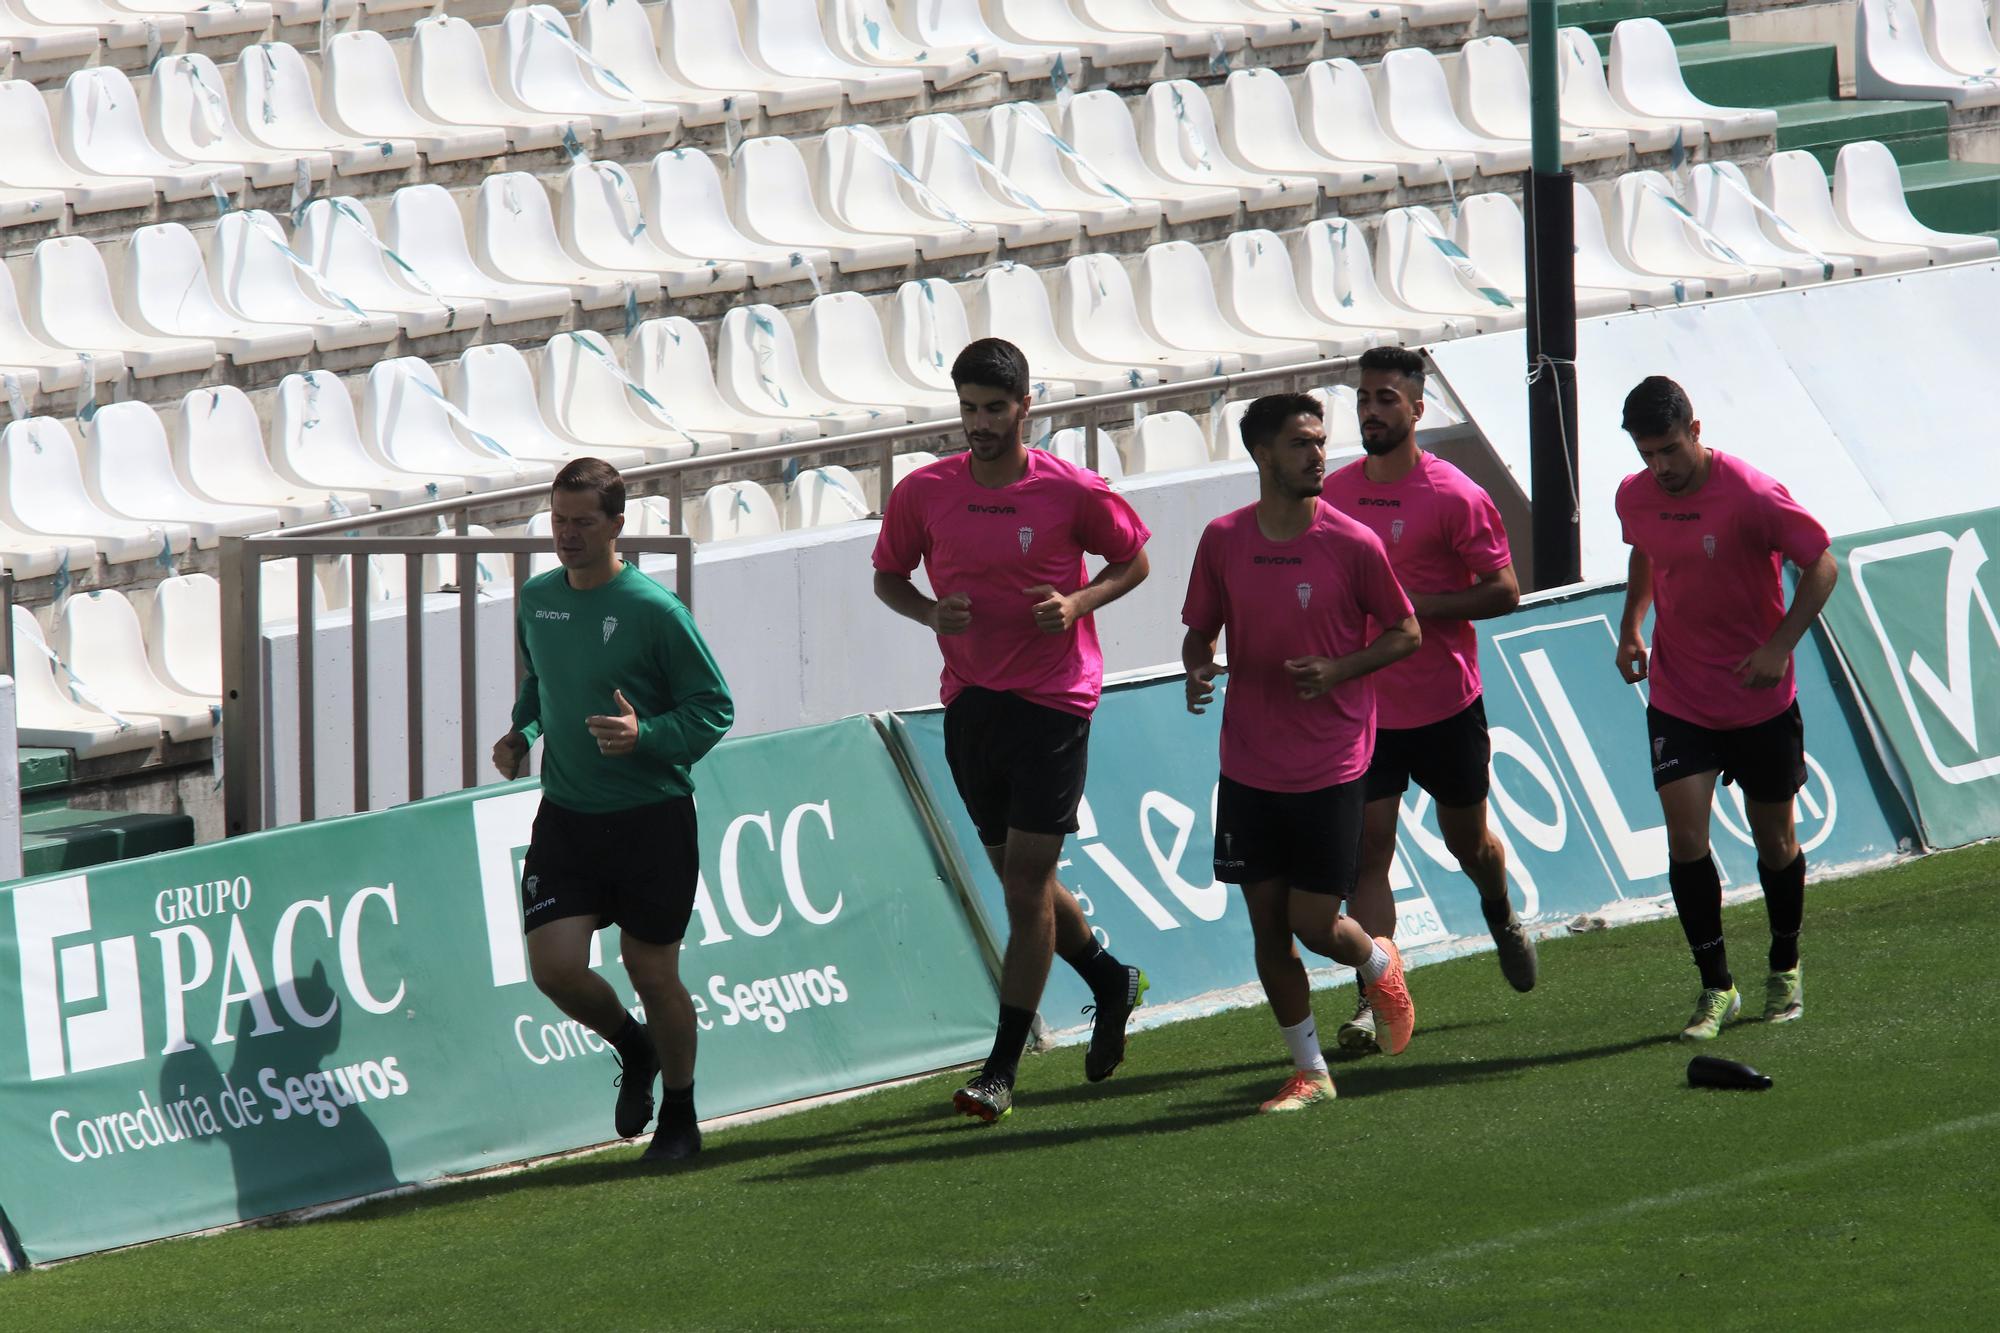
pixel 1712 1071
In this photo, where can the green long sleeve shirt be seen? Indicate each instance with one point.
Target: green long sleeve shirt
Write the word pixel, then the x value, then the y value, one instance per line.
pixel 629 635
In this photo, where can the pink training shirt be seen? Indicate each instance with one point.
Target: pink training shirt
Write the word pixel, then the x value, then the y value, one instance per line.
pixel 1443 535
pixel 1718 587
pixel 990 543
pixel 1314 596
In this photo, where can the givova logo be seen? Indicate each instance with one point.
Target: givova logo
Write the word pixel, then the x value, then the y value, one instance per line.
pixel 1928 604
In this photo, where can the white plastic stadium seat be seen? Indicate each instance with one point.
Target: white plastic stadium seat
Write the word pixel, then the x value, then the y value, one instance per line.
pixel 925 331
pixel 601 222
pixel 1587 100
pixel 542 69
pixel 865 31
pixel 621 39
pixel 788 40
pixel 1414 101
pixel 1185 38
pixel 407 421
pixel 771 200
pixel 1651 230
pixel 824 497
pixel 493 386
pixel 938 151
pixel 859 183
pixel 338 238
pixel 1069 445
pixel 1097 314
pixel 115 29
pixel 948 24
pixel 98 635
pixel 167 292
pixel 1892 60
pixel 450 83
pixel 128 471
pixel 187 114
pixel 902 465
pixel 423 225
pixel 48 714
pixel 35 41
pixel 219 454
pixel 1646 77
pixel 1490 230
pixel 29 360
pixel 1336 113
pixel 586 392
pixel 1260 129
pixel 757 370
pixel 204 18
pixel 275 106
pixel 315 443
pixel 1492 98
pixel 689 217
pixel 1177 306
pixel 669 358
pixel 183 629
pixel 1225 433
pixel 365 98
pixel 1337 281
pixel 844 357
pixel 734 509
pixel 1020 139
pixel 33 161
pixel 1009 301
pixel 1868 198
pixel 1262 28
pixel 1099 126
pixel 257 279
pixel 514 238
pixel 69 304
pixel 1795 188
pixel 1052 22
pixel 99 128
pixel 1166 442
pixel 42 492
pixel 1179 136
pixel 1598 266
pixel 1259 291
pixel 701 45
pixel 1722 203
pixel 1420 266
pixel 1343 426
pixel 1961 36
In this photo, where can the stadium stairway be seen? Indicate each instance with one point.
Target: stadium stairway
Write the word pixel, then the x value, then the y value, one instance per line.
pixel 1801 81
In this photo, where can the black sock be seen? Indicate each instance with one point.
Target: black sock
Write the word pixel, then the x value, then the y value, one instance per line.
pixel 1698 899
pixel 1105 975
pixel 1785 904
pixel 631 1037
pixel 1009 1042
pixel 1497 911
pixel 677 1104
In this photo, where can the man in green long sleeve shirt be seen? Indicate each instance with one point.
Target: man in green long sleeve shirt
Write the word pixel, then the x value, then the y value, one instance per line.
pixel 625 698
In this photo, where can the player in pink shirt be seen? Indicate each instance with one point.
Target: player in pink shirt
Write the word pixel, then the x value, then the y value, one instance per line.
pixel 1310 607
pixel 1449 550
pixel 1709 537
pixel 1002 532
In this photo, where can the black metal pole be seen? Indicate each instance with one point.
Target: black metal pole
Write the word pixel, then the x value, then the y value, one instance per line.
pixel 1551 268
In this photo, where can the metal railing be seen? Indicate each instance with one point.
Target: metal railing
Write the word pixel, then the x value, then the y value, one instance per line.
pixel 243 692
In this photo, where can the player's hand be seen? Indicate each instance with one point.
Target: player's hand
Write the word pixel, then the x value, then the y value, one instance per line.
pixel 1632 659
pixel 509 752
pixel 1053 612
pixel 616 733
pixel 951 615
pixel 1313 676
pixel 1201 686
pixel 1764 668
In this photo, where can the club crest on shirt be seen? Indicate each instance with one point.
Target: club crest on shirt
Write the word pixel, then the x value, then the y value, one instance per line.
pixel 1396 531
pixel 610 627
pixel 1027 536
pixel 1708 544
pixel 1305 591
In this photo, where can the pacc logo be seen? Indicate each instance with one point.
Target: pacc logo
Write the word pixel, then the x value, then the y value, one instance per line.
pixel 58 978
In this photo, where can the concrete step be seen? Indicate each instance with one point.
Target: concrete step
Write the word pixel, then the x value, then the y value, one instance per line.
pixel 1914 132
pixel 1954 196
pixel 56 838
pixel 1760 73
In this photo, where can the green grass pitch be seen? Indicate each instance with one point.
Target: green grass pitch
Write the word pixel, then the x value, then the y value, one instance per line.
pixel 1533 1162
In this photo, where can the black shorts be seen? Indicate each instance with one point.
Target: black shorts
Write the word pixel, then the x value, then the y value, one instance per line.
pixel 1017 764
pixel 1768 760
pixel 1447 758
pixel 1309 839
pixel 636 868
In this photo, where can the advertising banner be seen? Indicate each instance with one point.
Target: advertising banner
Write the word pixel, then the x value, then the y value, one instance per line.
pixel 1572 800
pixel 1914 617
pixel 341 1007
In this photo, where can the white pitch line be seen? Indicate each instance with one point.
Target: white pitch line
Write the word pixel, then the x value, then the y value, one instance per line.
pixel 1264 1305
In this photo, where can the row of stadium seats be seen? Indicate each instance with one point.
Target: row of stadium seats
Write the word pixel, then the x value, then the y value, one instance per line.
pixel 191 130
pixel 1946 54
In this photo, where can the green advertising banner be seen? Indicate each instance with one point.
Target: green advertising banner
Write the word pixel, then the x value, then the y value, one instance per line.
pixel 1914 617
pixel 1572 801
pixel 338 1008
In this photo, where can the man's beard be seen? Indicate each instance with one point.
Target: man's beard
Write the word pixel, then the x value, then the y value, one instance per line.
pixel 1385 443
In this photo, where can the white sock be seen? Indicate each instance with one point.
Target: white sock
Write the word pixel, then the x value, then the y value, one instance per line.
pixel 1302 1040
pixel 1378 963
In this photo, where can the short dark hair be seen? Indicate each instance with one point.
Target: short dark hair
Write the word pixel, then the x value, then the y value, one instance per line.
pixel 1656 408
pixel 1397 361
pixel 993 362
pixel 594 476
pixel 1263 419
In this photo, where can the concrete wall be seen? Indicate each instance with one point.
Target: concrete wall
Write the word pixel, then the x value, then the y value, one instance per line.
pixel 10 786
